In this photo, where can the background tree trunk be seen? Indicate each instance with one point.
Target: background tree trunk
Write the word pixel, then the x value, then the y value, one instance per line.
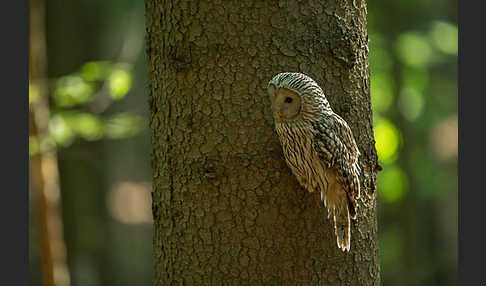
pixel 227 210
pixel 43 167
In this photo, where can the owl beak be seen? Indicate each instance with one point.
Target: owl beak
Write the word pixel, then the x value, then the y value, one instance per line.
pixel 278 114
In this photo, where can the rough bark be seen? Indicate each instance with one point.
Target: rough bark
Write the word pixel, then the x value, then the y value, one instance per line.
pixel 227 210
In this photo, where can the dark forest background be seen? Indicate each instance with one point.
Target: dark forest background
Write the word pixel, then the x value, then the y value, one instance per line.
pixel 97 77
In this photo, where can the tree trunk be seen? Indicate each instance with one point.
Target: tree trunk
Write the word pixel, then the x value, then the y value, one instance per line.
pixel 227 210
pixel 43 166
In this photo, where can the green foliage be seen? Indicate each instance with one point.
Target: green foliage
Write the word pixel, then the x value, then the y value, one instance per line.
pixel 416 78
pixel 66 126
pixel 444 37
pixel 120 83
pixel 96 71
pixel 123 125
pixel 411 103
pixel 392 184
pixel 72 90
pixel 380 57
pixel 75 94
pixel 414 50
pixel 413 61
pixel 79 88
pixel 388 140
pixel 60 130
pixel 87 126
pixel 382 90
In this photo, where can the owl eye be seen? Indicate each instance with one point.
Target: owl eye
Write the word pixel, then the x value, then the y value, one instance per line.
pixel 288 100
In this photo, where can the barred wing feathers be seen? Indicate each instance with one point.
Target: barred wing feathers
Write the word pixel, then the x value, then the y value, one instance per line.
pixel 334 143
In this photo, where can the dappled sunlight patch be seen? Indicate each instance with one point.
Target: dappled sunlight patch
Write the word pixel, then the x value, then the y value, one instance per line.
pixel 120 82
pixel 88 126
pixel 65 127
pixel 444 138
pixel 411 103
pixel 72 90
pixel 444 37
pixel 414 50
pixel 123 125
pixel 60 130
pixel 96 70
pixel 381 86
pixel 392 184
pixel 388 139
pixel 130 203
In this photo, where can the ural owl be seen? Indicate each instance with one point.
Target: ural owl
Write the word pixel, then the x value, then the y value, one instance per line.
pixel 319 147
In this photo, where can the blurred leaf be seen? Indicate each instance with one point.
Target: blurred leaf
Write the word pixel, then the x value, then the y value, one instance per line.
pixel 381 88
pixel 392 183
pixel 414 49
pixel 123 125
pixel 60 130
pixel 96 71
pixel 380 59
pixel 120 83
pixel 72 90
pixel 444 37
pixel 88 126
pixel 377 117
pixel 411 103
pixel 387 138
pixel 65 127
pixel 416 78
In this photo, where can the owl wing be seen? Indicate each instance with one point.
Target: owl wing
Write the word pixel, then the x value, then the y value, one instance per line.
pixel 336 147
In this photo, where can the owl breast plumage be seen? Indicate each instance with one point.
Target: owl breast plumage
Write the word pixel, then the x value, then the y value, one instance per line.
pixel 319 148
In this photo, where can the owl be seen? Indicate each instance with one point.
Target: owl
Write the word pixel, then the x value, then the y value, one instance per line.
pixel 319 147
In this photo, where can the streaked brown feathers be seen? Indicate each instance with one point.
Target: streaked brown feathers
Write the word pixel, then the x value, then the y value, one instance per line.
pixel 319 148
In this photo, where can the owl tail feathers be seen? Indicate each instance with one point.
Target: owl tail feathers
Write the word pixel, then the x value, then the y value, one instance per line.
pixel 342 229
pixel 338 208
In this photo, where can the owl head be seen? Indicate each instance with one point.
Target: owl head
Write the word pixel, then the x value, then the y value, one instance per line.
pixel 296 97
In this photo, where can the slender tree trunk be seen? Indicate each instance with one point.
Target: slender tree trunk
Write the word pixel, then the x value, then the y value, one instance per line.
pixel 44 172
pixel 227 210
